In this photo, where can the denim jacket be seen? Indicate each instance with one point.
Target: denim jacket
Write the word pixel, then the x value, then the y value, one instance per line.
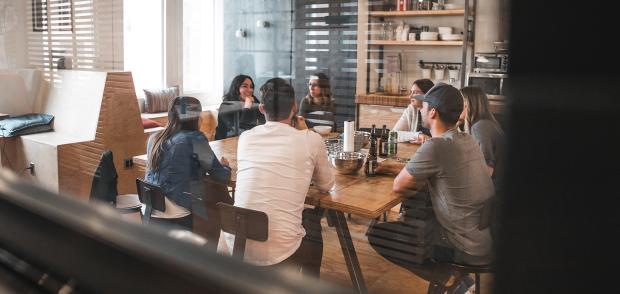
pixel 186 160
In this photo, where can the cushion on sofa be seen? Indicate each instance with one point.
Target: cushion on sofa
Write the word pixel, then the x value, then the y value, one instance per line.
pixel 158 100
pixel 26 124
pixel 149 123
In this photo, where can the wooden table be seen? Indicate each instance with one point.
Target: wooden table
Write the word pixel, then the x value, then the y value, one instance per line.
pixel 356 194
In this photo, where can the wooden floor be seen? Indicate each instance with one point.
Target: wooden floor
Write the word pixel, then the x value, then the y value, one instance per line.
pixel 381 275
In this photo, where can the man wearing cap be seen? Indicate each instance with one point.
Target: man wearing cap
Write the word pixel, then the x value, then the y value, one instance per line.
pixel 452 167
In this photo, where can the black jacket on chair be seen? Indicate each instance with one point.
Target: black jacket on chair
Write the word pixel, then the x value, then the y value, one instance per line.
pixel 104 180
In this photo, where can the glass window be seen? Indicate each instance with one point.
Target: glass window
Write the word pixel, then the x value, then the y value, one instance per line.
pixel 203 50
pixel 143 43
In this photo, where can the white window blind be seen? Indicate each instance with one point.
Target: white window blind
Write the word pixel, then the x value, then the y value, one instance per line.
pixel 89 32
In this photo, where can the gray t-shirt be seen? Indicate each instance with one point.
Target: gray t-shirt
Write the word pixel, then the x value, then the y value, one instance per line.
pixel 491 142
pixel 454 168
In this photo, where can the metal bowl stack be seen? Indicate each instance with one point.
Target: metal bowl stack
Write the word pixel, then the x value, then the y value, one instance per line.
pixel 347 162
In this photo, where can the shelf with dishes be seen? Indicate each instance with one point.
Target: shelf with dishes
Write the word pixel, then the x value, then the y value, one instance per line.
pixel 416 43
pixel 418 13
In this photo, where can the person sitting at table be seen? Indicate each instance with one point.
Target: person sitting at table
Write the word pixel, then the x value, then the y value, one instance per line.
pixel 241 104
pixel 409 126
pixel 482 125
pixel 453 168
pixel 178 159
pixel 318 105
pixel 276 163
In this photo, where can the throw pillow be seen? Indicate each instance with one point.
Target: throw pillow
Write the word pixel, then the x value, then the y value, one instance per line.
pixel 158 100
pixel 149 123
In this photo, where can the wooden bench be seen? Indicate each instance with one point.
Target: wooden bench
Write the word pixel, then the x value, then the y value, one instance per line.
pixel 93 112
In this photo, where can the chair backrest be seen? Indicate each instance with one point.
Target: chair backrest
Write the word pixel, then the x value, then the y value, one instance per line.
pixel 244 224
pixel 152 197
pixel 208 123
pixel 103 187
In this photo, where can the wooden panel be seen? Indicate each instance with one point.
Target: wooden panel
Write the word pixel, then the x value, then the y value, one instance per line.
pixel 378 115
pixel 416 43
pixel 418 13
pixel 119 129
pixel 382 99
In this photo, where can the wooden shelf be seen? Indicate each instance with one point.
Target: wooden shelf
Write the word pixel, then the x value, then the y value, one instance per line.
pixel 417 13
pixel 416 43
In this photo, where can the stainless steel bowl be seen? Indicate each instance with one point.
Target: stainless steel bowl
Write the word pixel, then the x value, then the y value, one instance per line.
pixel 347 162
pixel 361 139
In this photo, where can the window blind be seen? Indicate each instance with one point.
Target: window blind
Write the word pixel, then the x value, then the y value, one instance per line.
pixel 326 41
pixel 89 32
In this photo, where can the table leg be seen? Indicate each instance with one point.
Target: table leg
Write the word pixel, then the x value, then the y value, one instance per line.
pixel 348 250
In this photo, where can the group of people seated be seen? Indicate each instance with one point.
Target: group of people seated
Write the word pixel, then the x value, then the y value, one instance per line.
pixel 239 109
pixel 278 158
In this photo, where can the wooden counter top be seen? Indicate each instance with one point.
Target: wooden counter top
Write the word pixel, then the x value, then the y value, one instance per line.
pixel 382 99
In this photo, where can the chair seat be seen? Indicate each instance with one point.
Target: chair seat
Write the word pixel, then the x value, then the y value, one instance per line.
pixel 128 202
pixel 474 269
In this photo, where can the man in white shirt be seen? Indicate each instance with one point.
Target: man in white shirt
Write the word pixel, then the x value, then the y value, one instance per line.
pixel 276 163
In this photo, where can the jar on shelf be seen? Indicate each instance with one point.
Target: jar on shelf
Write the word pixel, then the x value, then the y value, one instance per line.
pixel 389 31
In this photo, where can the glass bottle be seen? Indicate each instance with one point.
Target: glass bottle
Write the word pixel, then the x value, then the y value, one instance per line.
pixel 389 31
pixel 371 160
pixel 383 142
pixel 383 31
pixel 392 144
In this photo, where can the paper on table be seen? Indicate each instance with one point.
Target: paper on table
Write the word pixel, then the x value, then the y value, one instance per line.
pixel 404 136
pixel 349 136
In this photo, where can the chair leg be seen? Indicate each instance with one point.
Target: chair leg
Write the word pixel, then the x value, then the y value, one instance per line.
pixel 477 283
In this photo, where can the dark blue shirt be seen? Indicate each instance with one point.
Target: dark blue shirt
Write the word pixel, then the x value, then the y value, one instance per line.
pixel 186 159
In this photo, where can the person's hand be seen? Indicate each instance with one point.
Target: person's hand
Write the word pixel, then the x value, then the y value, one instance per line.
pixel 224 161
pixel 249 100
pixel 390 167
pixel 421 139
pixel 300 122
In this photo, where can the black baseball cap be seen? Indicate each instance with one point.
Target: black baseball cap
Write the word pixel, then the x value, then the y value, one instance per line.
pixel 444 97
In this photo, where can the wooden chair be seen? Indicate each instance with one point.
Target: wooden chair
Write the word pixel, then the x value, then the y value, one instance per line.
pixel 104 187
pixel 152 197
pixel 244 224
pixel 486 215
pixel 208 124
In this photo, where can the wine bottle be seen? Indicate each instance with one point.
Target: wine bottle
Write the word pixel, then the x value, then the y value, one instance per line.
pixel 383 142
pixel 371 161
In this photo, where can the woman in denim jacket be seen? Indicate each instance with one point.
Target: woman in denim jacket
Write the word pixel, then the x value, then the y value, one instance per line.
pixel 179 157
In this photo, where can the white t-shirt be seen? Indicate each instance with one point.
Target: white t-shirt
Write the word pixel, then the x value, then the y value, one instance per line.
pixel 276 163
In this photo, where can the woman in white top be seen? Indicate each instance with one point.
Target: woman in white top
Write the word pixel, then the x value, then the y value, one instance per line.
pixel 409 126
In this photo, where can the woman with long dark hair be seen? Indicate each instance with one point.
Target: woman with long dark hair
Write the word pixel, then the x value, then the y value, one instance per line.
pixel 178 159
pixel 482 125
pixel 238 104
pixel 318 105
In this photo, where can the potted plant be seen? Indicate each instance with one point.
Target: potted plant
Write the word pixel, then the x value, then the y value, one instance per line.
pixel 439 71
pixel 453 72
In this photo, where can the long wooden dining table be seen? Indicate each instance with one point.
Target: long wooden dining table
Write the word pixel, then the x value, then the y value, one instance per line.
pixel 356 194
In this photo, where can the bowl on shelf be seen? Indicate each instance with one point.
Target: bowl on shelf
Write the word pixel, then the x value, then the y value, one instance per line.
pixel 428 36
pixel 444 30
pixel 451 37
pixel 323 130
pixel 347 162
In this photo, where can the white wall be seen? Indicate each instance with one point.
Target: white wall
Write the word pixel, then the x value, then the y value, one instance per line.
pixel 489 24
pixel 12 34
